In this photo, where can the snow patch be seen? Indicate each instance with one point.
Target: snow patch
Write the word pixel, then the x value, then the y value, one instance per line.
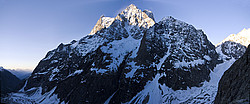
pixel 75 73
pixel 54 61
pixel 208 58
pixel 78 71
pixel 99 71
pixel 87 44
pixel 49 56
pixel 162 60
pixel 183 63
pixel 22 89
pixel 108 100
pixel 36 97
pixel 133 69
pixel 125 46
pixel 54 72
pixel 151 93
pixel 42 73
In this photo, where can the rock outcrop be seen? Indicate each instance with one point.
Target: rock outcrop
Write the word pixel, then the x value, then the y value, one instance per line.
pixel 234 84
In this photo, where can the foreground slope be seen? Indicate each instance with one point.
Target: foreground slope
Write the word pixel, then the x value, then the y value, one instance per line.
pixel 126 59
pixel 234 84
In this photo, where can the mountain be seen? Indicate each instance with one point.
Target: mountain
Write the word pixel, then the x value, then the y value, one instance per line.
pixel 21 74
pixel 9 82
pixel 230 49
pixel 234 84
pixel 242 37
pixel 130 59
pixel 234 46
pixel 229 52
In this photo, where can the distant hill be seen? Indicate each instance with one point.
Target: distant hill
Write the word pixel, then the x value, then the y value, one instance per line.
pixel 9 82
pixel 20 73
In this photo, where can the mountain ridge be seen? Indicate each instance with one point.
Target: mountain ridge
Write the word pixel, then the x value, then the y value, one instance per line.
pixel 129 61
pixel 20 73
pixel 243 37
pixel 9 82
pixel 132 14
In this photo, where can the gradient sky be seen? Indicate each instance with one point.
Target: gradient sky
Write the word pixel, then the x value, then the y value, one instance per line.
pixel 30 28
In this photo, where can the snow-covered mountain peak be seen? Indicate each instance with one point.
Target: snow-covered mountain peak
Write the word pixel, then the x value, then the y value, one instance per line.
pixel 131 16
pixel 168 18
pixel 131 6
pixel 245 33
pixel 242 37
pixel 103 22
pixel 137 17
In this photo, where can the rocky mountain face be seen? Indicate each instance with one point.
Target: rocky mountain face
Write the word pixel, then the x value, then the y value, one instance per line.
pixel 130 59
pixel 229 52
pixel 234 84
pixel 234 46
pixel 9 82
pixel 229 49
pixel 169 47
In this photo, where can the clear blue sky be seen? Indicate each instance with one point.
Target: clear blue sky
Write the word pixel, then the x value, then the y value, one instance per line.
pixel 30 28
